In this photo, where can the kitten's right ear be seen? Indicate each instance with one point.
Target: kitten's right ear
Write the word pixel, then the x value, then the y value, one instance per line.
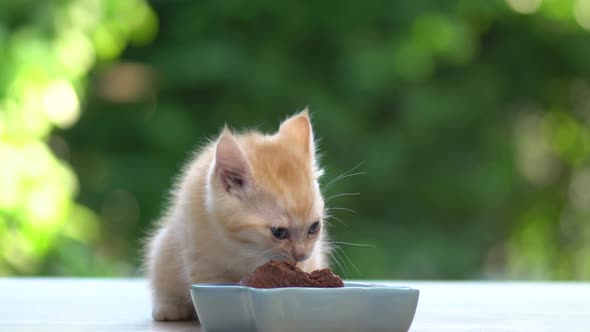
pixel 232 167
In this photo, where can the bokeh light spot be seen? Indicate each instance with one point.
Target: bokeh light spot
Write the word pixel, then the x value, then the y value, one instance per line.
pixel 108 41
pixel 582 13
pixel 533 153
pixel 579 190
pixel 61 104
pixel 75 52
pixel 524 6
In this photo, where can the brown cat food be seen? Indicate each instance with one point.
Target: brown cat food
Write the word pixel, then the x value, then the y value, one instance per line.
pixel 276 274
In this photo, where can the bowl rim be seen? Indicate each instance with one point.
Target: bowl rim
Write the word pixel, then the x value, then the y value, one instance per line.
pixel 347 286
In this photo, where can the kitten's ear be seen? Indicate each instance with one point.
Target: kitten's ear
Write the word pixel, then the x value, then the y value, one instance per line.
pixel 231 164
pixel 298 130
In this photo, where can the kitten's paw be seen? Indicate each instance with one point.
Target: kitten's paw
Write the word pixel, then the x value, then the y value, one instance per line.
pixel 173 311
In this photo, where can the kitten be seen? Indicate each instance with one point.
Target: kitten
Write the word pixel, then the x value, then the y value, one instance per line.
pixel 245 199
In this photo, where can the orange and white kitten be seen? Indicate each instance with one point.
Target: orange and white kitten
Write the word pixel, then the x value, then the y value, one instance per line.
pixel 245 199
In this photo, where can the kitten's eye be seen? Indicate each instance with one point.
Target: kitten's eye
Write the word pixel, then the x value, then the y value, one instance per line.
pixel 280 233
pixel 314 227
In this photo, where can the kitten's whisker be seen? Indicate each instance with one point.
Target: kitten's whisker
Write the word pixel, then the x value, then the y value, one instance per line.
pixel 257 253
pixel 343 194
pixel 341 176
pixel 356 244
pixel 251 254
pixel 323 188
pixel 238 261
pixel 338 178
pixel 334 181
pixel 340 265
pixel 348 259
pixel 340 208
pixel 276 256
pixel 330 249
pixel 344 265
pixel 334 217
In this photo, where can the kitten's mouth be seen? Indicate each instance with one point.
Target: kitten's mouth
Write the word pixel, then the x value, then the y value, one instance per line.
pixel 285 258
pixel 300 259
pixel 294 260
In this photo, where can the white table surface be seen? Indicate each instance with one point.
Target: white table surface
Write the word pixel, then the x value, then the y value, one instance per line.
pixel 46 304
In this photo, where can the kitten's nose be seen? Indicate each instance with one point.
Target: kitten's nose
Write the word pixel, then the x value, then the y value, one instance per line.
pixel 299 256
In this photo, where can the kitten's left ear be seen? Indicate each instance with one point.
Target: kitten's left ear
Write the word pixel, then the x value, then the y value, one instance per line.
pixel 231 164
pixel 298 130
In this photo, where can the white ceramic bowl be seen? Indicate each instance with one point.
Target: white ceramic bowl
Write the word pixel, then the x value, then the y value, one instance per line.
pixel 355 307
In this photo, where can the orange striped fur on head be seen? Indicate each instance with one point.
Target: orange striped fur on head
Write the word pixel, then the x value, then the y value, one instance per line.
pixel 265 181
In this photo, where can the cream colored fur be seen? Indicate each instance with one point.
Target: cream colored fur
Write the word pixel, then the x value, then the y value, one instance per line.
pixel 217 228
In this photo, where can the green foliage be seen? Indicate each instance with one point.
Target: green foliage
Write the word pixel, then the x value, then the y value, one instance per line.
pixel 472 119
pixel 46 52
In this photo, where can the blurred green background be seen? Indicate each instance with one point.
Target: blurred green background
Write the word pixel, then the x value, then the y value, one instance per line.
pixel 470 120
